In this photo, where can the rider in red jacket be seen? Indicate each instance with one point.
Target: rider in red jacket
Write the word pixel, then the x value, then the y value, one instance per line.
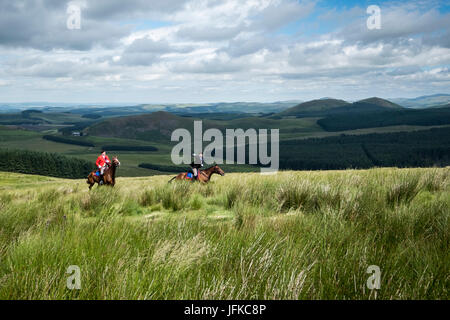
pixel 101 162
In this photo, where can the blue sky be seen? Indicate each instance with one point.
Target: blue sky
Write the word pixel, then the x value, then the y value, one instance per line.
pixel 177 51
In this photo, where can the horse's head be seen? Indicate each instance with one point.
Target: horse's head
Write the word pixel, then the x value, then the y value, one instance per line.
pixel 115 162
pixel 218 170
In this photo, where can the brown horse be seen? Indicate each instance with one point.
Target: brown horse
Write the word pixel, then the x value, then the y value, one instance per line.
pixel 203 175
pixel 109 176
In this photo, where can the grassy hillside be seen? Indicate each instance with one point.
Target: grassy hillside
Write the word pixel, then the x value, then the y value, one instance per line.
pixel 325 107
pixel 314 106
pixel 295 235
pixel 360 149
pixel 156 126
pixel 378 102
pixel 136 151
pixel 159 126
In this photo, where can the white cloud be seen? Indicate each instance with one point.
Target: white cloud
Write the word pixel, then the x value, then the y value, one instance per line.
pixel 219 50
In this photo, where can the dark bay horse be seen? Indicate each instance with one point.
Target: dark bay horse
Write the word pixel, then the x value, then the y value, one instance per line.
pixel 203 175
pixel 109 176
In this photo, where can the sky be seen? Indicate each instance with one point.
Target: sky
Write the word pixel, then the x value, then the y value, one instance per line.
pixel 199 51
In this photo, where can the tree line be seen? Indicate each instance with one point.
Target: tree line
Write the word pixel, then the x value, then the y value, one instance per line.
pixel 129 148
pixel 423 148
pixel 43 163
pixel 360 120
pixel 68 141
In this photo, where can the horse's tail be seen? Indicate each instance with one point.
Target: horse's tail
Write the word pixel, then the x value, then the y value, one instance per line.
pixel 172 179
pixel 89 178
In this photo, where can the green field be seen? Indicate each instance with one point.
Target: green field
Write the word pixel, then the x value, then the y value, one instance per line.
pixel 300 128
pixel 295 129
pixel 293 235
pixel 31 140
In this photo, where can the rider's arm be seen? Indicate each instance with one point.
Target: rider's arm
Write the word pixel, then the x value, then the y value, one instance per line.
pixel 97 163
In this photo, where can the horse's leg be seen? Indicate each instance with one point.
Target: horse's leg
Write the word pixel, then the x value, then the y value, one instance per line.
pixel 90 181
pixel 97 180
pixel 107 180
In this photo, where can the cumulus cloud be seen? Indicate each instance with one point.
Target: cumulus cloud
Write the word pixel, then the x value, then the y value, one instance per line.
pixel 222 49
pixel 201 33
pixel 43 25
pixel 117 9
pixel 280 13
pixel 215 64
pixel 144 52
pixel 247 44
pixel 397 22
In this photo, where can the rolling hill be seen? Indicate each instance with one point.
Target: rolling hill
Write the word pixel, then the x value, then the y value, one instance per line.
pixel 423 101
pixel 376 103
pixel 442 106
pixel 326 107
pixel 145 138
pixel 314 107
pixel 155 126
pixel 159 126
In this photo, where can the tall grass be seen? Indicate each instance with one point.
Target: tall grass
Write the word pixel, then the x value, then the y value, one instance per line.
pixel 294 235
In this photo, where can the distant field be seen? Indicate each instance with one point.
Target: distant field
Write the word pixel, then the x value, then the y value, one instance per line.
pixel 293 130
pixel 294 235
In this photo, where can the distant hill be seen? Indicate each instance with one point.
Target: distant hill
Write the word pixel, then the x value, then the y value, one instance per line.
pixel 325 107
pixel 442 106
pixel 369 105
pixel 158 126
pixel 378 102
pixel 314 107
pixel 113 110
pixel 423 101
pixel 154 126
pixel 234 107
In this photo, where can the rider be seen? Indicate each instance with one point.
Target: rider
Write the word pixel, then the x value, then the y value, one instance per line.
pixel 197 164
pixel 101 163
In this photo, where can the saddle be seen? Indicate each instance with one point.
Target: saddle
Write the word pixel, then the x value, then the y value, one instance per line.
pixel 98 173
pixel 189 176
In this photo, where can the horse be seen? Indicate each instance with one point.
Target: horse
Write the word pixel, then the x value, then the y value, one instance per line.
pixel 203 175
pixel 109 175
